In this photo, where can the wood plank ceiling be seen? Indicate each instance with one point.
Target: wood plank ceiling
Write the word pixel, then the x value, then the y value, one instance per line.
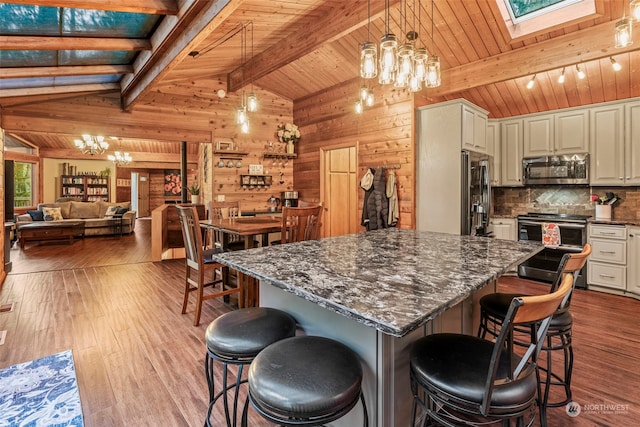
pixel 297 48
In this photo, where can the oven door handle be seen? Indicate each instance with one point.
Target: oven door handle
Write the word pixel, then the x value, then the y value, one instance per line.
pixel 561 225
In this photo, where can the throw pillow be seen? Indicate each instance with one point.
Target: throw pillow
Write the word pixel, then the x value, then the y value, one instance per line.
pixel 122 211
pixel 112 210
pixel 52 214
pixel 36 215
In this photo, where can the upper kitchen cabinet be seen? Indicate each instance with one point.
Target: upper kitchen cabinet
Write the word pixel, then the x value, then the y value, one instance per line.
pixel 493 149
pixel 632 144
pixel 511 152
pixel 558 133
pixel 615 144
pixel 474 128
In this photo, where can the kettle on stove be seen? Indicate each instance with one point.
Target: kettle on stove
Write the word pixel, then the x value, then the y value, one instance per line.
pixel 274 202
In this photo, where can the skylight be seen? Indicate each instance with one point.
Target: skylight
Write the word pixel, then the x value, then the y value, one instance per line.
pixel 521 10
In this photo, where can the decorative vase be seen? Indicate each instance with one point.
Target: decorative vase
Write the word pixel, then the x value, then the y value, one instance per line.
pixel 290 147
pixel 195 199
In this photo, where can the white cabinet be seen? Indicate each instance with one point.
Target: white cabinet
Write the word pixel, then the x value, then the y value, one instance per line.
pixel 474 128
pixel 571 132
pixel 607 265
pixel 633 260
pixel 607 145
pixel 538 136
pixel 632 144
pixel 504 228
pixel 493 149
pixel 511 152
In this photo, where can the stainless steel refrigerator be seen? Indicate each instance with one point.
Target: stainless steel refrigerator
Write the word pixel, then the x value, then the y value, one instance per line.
pixel 475 202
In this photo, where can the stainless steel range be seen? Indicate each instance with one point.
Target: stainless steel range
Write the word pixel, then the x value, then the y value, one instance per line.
pixel 573 236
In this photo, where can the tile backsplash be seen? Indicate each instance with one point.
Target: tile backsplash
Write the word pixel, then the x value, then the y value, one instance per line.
pixel 513 201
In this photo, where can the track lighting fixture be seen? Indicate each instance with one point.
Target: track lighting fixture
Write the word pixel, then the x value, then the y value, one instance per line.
pixel 614 64
pixel 561 78
pixel 581 74
pixel 531 82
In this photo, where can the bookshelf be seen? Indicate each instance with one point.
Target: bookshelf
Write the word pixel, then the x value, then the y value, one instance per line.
pixel 89 188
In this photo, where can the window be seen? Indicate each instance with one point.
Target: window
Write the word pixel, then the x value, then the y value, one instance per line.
pixel 24 185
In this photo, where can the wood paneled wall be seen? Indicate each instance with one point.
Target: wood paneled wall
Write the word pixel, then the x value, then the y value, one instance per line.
pixel 384 135
pixel 3 273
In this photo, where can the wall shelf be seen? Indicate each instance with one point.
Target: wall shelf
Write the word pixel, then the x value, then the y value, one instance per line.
pixel 279 155
pixel 255 181
pixel 230 153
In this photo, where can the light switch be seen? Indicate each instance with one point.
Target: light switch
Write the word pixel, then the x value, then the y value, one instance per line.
pixel 221 197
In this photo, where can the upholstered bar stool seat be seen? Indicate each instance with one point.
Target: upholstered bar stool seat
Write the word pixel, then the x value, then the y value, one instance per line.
pixel 305 381
pixel 236 338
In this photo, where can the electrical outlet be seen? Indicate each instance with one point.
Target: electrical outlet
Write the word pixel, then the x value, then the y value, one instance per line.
pixel 221 197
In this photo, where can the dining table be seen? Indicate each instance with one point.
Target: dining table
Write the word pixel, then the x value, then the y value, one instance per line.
pixel 247 228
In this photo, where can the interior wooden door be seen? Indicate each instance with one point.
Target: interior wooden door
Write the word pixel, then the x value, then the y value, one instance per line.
pixel 143 194
pixel 340 194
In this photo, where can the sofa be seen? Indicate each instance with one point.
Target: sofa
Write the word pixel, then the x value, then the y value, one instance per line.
pixel 95 215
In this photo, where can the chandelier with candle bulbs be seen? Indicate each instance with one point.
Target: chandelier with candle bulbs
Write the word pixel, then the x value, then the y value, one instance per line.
pixel 120 158
pixel 92 145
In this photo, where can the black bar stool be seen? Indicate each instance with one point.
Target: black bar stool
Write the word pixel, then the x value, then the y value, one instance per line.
pixel 305 381
pixel 236 338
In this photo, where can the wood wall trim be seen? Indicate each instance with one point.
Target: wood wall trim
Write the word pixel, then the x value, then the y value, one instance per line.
pixel 158 7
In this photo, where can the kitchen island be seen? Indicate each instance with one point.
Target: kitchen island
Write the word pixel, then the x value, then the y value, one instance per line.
pixel 378 292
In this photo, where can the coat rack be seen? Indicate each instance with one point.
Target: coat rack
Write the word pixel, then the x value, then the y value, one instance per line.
pixel 391 166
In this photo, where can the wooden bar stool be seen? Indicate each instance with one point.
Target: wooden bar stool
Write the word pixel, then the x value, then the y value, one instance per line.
pixel 305 381
pixel 236 338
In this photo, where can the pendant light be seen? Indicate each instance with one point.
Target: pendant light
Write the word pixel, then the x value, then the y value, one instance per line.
pixel 388 52
pixel 432 77
pixel 635 10
pixel 624 33
pixel 252 99
pixel 369 52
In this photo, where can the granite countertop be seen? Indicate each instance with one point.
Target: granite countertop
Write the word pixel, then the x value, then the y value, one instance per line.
pixel 617 221
pixel 393 280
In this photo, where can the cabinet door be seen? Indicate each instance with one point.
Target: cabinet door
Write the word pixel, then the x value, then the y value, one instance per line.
pixel 632 144
pixel 606 142
pixel 633 260
pixel 572 132
pixel 538 136
pixel 480 133
pixel 504 228
pixel 511 150
pixel 493 149
pixel 468 131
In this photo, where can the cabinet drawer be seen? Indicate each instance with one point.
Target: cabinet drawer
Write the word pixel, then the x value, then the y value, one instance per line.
pixel 607 231
pixel 614 251
pixel 611 276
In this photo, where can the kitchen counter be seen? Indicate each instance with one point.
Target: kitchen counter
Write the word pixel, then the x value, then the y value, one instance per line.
pixel 617 221
pixel 393 280
pixel 378 292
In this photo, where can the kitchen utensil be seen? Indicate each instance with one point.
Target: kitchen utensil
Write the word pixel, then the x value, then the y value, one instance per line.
pixel 221 164
pixel 230 164
pixel 239 164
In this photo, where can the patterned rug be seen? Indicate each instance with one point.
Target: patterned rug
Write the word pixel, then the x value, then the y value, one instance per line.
pixel 43 392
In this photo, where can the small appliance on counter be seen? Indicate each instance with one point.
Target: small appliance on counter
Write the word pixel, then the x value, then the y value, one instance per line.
pixel 290 199
pixel 274 202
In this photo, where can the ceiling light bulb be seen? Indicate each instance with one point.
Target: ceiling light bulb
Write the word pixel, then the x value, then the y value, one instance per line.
pixel 581 74
pixel 635 10
pixel 623 35
pixel 370 99
pixel 561 78
pixel 388 54
pixel 614 64
pixel 363 93
pixel 531 82
pixel 241 115
pixel 252 102
pixel 432 78
pixel 358 107
pixel 244 127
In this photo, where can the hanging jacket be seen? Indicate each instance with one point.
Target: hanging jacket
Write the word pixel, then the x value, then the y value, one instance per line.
pixel 377 205
pixel 367 185
pixel 392 195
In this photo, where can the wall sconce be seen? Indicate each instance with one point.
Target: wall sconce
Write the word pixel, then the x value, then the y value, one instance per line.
pixel 614 64
pixel 581 74
pixel 624 32
pixel 531 82
pixel 561 78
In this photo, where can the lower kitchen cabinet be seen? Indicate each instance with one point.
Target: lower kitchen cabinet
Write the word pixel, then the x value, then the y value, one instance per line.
pixel 633 260
pixel 504 228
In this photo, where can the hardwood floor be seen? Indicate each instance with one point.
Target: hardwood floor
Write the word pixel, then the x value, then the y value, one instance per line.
pixel 140 362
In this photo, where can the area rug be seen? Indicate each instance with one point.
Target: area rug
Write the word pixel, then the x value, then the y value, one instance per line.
pixel 43 392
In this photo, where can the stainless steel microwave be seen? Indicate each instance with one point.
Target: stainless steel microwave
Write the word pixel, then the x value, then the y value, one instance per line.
pixel 564 169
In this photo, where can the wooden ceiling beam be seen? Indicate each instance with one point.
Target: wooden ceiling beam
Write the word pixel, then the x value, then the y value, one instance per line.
pixel 71 43
pixel 580 46
pixel 305 40
pixel 74 153
pixel 52 90
pixel 74 70
pixel 156 7
pixel 172 42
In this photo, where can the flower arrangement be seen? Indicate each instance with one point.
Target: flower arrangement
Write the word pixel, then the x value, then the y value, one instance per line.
pixel 288 132
pixel 609 198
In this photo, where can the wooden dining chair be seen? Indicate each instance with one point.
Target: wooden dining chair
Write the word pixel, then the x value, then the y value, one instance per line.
pixel 301 223
pixel 221 210
pixel 198 261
